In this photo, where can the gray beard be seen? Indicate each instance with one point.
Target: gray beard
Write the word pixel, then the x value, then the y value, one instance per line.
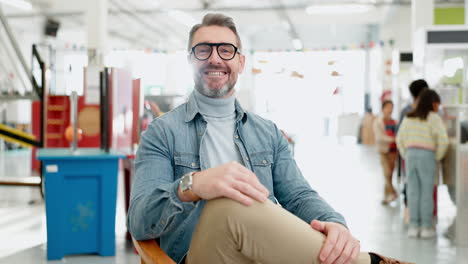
pixel 218 93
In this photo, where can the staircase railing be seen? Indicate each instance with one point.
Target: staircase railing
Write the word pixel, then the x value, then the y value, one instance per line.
pixel 23 72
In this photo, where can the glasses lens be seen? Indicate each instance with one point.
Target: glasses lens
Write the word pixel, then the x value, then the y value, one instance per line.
pixel 202 52
pixel 226 51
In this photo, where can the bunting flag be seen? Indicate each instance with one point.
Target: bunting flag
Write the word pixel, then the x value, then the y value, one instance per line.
pixel 352 46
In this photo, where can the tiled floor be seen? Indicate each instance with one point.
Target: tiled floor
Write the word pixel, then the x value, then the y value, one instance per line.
pixel 347 175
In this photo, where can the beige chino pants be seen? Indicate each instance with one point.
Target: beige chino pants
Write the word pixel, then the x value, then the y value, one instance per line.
pixel 229 232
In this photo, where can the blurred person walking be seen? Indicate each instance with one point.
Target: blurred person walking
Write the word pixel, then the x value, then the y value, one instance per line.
pixel 422 141
pixel 385 131
pixel 415 89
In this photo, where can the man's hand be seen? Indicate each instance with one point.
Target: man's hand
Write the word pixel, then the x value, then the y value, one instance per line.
pixel 231 180
pixel 340 246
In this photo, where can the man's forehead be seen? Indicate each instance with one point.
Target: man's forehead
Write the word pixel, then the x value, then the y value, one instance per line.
pixel 214 34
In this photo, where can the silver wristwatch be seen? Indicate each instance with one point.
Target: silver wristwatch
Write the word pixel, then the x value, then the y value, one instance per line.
pixel 186 181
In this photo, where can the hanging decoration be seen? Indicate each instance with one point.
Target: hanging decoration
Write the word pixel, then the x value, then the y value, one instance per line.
pixel 386 95
pixel 336 91
pixel 335 74
pixel 256 71
pixel 296 74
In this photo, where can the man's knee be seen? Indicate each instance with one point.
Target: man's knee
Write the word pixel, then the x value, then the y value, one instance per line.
pixel 218 218
pixel 216 237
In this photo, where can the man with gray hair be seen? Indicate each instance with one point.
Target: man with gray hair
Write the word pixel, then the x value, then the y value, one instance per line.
pixel 209 176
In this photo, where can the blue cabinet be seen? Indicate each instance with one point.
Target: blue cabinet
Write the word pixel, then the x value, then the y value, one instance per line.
pixel 80 196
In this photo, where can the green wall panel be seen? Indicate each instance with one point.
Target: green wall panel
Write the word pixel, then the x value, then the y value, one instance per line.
pixel 449 16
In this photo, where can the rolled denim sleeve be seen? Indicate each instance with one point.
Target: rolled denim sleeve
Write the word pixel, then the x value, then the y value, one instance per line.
pixel 154 203
pixel 294 192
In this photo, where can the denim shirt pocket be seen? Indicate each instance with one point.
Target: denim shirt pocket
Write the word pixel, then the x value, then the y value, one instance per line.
pixel 262 163
pixel 185 163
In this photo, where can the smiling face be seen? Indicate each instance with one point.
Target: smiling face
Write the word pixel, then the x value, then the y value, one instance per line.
pixel 216 77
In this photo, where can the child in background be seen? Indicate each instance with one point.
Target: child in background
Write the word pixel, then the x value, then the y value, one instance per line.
pixel 422 141
pixel 384 130
pixel 415 88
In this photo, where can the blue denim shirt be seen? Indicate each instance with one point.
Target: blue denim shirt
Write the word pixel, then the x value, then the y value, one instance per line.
pixel 170 148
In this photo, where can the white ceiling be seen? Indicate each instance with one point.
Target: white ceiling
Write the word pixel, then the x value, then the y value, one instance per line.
pixel 264 24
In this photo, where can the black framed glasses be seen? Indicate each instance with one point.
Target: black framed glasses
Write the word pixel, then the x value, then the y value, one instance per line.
pixel 226 51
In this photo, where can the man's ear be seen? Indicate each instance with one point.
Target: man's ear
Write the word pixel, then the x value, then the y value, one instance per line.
pixel 241 63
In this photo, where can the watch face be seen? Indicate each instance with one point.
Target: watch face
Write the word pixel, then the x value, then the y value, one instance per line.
pixel 185 182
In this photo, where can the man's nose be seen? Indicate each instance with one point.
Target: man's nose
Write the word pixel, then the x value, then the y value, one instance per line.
pixel 214 58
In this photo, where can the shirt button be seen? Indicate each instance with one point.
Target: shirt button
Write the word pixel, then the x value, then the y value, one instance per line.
pixel 246 158
pixel 264 161
pixel 193 164
pixel 236 136
pixel 200 134
pixel 163 222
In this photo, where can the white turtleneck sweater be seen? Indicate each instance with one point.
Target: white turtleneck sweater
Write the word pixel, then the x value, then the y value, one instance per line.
pixel 218 142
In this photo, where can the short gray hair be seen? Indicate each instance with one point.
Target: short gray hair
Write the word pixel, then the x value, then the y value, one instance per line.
pixel 215 19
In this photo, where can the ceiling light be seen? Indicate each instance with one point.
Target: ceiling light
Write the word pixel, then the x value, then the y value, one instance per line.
pixel 297 43
pixel 338 9
pixel 20 4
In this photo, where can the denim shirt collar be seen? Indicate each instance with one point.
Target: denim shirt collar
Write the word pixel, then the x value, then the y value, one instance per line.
pixel 193 110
